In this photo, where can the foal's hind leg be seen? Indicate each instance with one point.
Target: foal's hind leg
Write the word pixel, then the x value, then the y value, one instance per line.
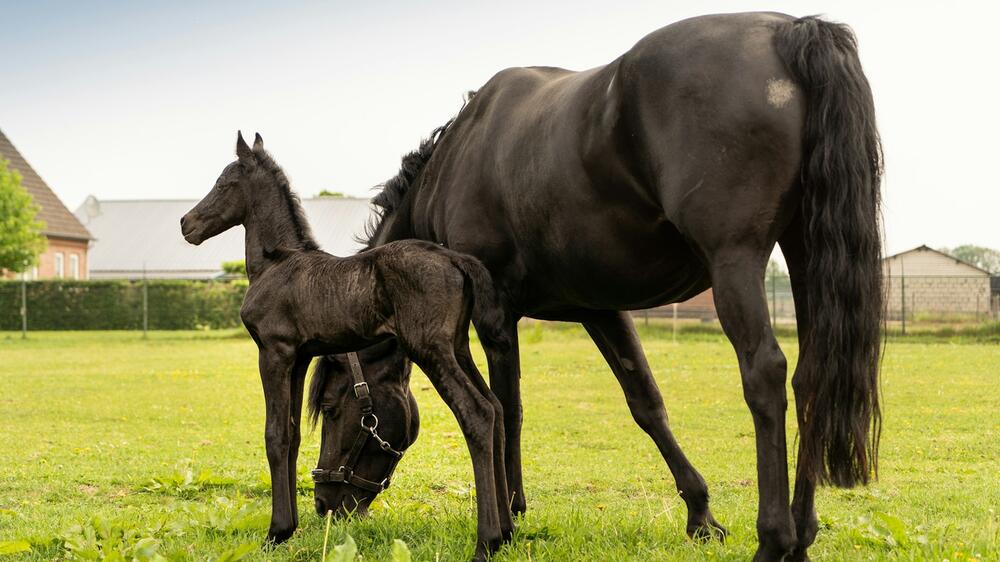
pixel 468 365
pixel 297 389
pixel 738 285
pixel 475 416
pixel 614 334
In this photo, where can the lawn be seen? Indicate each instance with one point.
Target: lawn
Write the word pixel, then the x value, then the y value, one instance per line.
pixel 155 448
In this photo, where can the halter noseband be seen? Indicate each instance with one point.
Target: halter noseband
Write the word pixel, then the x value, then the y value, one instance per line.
pixel 345 474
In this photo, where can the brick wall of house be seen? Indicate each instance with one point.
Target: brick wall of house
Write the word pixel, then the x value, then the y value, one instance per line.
pixel 47 262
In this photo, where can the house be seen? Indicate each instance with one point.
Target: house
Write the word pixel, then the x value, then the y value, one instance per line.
pixel 926 281
pixel 68 240
pixel 136 238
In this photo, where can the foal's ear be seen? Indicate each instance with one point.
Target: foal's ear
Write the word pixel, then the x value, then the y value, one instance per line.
pixel 243 151
pixel 258 142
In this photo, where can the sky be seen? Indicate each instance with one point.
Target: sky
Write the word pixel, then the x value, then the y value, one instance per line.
pixel 142 100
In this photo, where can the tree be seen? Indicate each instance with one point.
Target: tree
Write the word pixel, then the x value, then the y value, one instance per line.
pixel 235 267
pixel 979 256
pixel 328 193
pixel 21 239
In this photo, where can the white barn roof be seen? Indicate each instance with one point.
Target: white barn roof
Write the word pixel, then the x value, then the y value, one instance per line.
pixel 133 235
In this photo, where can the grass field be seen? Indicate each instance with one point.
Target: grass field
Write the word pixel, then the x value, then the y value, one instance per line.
pixel 154 448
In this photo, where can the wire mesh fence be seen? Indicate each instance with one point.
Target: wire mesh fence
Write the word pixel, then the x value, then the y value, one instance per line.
pixel 120 305
pixel 912 303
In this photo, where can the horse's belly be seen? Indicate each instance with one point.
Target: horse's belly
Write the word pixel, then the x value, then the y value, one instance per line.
pixel 619 266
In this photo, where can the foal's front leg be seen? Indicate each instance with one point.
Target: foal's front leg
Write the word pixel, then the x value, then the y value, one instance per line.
pixel 276 365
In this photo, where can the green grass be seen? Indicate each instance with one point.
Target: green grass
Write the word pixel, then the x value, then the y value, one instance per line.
pixel 154 448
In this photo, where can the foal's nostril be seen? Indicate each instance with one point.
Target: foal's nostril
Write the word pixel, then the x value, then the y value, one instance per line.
pixel 320 507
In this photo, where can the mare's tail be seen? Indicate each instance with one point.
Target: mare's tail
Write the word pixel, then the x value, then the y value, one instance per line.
pixel 837 380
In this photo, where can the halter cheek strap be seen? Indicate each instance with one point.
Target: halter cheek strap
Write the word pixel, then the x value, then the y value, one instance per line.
pixel 369 422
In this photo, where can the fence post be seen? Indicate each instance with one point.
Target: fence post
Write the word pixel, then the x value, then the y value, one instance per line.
pixel 145 305
pixel 24 305
pixel 774 300
pixel 902 295
pixel 675 321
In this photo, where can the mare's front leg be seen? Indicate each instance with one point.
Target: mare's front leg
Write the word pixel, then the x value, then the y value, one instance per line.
pixel 738 285
pixel 475 415
pixel 614 333
pixel 505 382
pixel 276 366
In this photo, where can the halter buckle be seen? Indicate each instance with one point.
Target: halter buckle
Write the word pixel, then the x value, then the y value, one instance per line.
pixel 361 390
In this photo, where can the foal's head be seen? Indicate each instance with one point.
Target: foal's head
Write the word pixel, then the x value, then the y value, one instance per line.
pixel 332 396
pixel 252 186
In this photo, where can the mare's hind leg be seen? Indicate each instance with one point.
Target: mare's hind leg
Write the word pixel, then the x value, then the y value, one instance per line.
pixel 468 365
pixel 738 285
pixel 803 506
pixel 614 334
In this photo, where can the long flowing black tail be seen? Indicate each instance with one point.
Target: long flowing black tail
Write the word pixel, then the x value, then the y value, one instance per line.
pixel 841 176
pixel 487 313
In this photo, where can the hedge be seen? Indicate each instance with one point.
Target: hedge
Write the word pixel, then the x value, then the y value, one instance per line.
pixel 117 305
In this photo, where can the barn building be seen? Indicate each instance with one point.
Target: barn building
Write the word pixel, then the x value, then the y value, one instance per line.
pixel 927 281
pixel 137 238
pixel 68 240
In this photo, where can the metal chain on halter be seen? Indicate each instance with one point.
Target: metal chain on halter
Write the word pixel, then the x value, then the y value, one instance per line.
pixel 345 474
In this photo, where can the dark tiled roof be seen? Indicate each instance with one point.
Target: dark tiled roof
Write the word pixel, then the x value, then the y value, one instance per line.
pixel 59 222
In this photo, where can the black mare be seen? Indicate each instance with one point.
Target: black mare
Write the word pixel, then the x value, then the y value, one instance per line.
pixel 675 168
pixel 303 302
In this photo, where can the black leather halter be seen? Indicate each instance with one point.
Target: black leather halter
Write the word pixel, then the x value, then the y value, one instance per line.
pixel 345 474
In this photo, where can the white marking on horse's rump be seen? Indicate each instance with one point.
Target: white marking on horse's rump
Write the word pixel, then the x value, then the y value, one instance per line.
pixel 611 82
pixel 779 92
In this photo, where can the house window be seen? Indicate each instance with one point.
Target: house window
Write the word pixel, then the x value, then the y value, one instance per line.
pixel 74 266
pixel 60 270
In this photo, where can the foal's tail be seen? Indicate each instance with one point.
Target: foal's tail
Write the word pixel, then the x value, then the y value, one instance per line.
pixel 487 313
pixel 837 380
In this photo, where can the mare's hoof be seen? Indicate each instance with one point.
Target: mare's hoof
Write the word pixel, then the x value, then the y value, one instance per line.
pixel 798 555
pixel 706 529
pixel 517 508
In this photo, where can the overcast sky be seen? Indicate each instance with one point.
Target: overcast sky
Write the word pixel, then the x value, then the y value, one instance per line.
pixel 143 99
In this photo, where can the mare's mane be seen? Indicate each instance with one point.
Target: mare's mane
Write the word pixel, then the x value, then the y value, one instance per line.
pixel 388 200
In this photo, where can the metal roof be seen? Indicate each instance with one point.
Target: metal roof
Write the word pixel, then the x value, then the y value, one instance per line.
pixel 926 248
pixel 59 222
pixel 133 235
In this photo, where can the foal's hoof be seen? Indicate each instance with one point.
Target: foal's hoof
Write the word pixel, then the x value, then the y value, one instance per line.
pixel 279 536
pixel 706 529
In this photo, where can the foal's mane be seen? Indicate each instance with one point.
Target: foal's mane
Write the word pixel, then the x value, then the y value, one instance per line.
pixel 303 232
pixel 389 199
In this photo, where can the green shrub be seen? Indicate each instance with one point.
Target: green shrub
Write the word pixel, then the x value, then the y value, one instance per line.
pixel 117 305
